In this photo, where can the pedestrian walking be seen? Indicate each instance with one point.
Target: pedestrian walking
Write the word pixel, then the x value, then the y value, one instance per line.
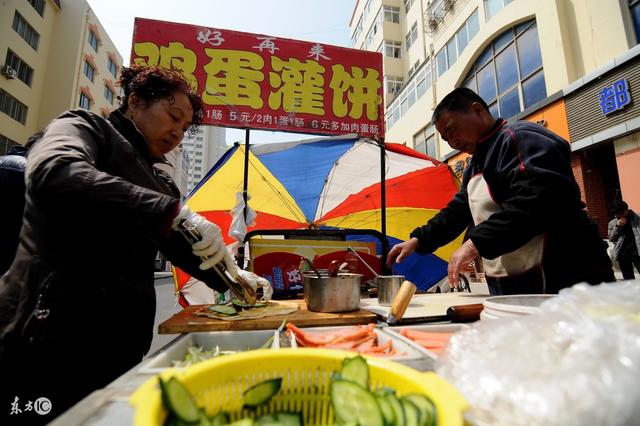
pixel 624 232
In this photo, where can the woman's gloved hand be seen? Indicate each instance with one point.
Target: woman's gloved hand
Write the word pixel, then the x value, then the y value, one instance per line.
pixel 257 281
pixel 211 247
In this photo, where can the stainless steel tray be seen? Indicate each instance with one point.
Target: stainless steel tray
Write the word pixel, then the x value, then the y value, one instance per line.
pixel 431 328
pixel 239 341
pixel 405 351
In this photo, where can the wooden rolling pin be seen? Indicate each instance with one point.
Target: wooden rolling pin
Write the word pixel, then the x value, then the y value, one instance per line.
pixel 401 301
pixel 465 313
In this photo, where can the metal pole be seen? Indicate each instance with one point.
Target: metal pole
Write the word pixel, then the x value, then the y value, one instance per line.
pixel 383 197
pixel 245 187
pixel 245 184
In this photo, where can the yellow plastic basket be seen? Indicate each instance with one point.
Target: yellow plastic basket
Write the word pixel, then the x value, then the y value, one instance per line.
pixel 217 384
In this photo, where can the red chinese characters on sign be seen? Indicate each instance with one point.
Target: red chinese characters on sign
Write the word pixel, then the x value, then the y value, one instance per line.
pixel 262 82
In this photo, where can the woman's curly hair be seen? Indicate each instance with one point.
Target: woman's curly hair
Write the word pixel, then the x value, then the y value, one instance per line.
pixel 152 83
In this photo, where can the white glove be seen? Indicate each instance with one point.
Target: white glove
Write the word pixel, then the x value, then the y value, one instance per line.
pixel 256 281
pixel 211 246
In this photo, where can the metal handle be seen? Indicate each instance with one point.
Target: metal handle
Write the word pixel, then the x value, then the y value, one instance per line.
pixel 375 274
pixel 239 288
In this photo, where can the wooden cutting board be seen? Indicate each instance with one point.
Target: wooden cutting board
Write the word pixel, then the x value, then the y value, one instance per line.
pixel 186 322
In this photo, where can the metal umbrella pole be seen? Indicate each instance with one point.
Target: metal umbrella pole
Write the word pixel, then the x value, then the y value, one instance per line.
pixel 245 189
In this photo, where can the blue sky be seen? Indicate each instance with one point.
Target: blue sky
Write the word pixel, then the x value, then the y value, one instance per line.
pixel 322 21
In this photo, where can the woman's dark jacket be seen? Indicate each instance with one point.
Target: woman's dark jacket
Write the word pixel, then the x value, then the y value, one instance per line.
pixel 97 212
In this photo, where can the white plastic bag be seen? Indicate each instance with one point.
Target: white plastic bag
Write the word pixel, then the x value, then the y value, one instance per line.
pixel 577 362
pixel 238 228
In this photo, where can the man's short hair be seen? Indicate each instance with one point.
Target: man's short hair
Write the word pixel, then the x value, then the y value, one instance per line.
pixel 459 100
pixel 618 207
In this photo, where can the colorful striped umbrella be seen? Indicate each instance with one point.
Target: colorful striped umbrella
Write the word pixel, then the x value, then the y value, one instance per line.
pixel 333 183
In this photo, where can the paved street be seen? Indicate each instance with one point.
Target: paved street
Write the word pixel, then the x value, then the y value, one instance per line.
pixel 165 308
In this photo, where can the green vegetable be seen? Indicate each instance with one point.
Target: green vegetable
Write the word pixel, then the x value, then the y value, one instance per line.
pixel 425 407
pixel 197 354
pixel 354 404
pixel 240 303
pixel 411 412
pixel 399 417
pixel 179 401
pixel 356 370
pixel 279 419
pixel 220 419
pixel 385 407
pixel 223 309
pixel 261 393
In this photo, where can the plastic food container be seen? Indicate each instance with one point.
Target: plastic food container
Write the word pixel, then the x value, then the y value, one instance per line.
pixel 239 341
pixel 404 351
pixel 433 328
pixel 218 384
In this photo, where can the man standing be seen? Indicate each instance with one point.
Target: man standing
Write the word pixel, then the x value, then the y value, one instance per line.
pixel 522 201
pixel 624 232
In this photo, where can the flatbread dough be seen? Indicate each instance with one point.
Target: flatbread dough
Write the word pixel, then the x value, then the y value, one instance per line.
pixel 273 308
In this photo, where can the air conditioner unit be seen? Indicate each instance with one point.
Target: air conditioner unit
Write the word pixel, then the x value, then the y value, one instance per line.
pixel 9 72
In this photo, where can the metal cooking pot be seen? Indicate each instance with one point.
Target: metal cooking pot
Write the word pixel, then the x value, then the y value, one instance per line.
pixel 332 294
pixel 388 286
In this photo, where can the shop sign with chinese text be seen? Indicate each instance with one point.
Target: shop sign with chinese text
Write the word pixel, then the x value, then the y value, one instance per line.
pixel 262 82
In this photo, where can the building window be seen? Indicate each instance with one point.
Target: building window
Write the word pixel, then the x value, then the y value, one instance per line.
pixel 89 71
pixel 448 55
pixel 108 94
pixel 409 94
pixel 198 161
pixel 6 144
pixel 392 49
pixel 425 142
pixel 412 35
pixel 492 7
pixel 13 107
pixel 23 71
pixel 93 40
pixel 85 102
pixel 407 5
pixel 356 32
pixel 113 68
pixel 38 5
pixel 634 9
pixel 392 14
pixel 393 84
pixel 508 74
pixel 26 31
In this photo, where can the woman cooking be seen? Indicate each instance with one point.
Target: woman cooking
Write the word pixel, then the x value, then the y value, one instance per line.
pixel 77 305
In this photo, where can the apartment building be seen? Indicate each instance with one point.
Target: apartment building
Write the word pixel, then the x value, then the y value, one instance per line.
pixel 560 63
pixel 202 150
pixel 57 56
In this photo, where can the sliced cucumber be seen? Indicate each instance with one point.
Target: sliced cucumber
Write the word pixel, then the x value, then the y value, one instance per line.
pixel 385 407
pixel 354 404
pixel 290 419
pixel 398 411
pixel 240 304
pixel 220 419
pixel 261 393
pixel 223 309
pixel 356 370
pixel 179 401
pixel 242 422
pixel 411 413
pixel 426 408
pixel 279 419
